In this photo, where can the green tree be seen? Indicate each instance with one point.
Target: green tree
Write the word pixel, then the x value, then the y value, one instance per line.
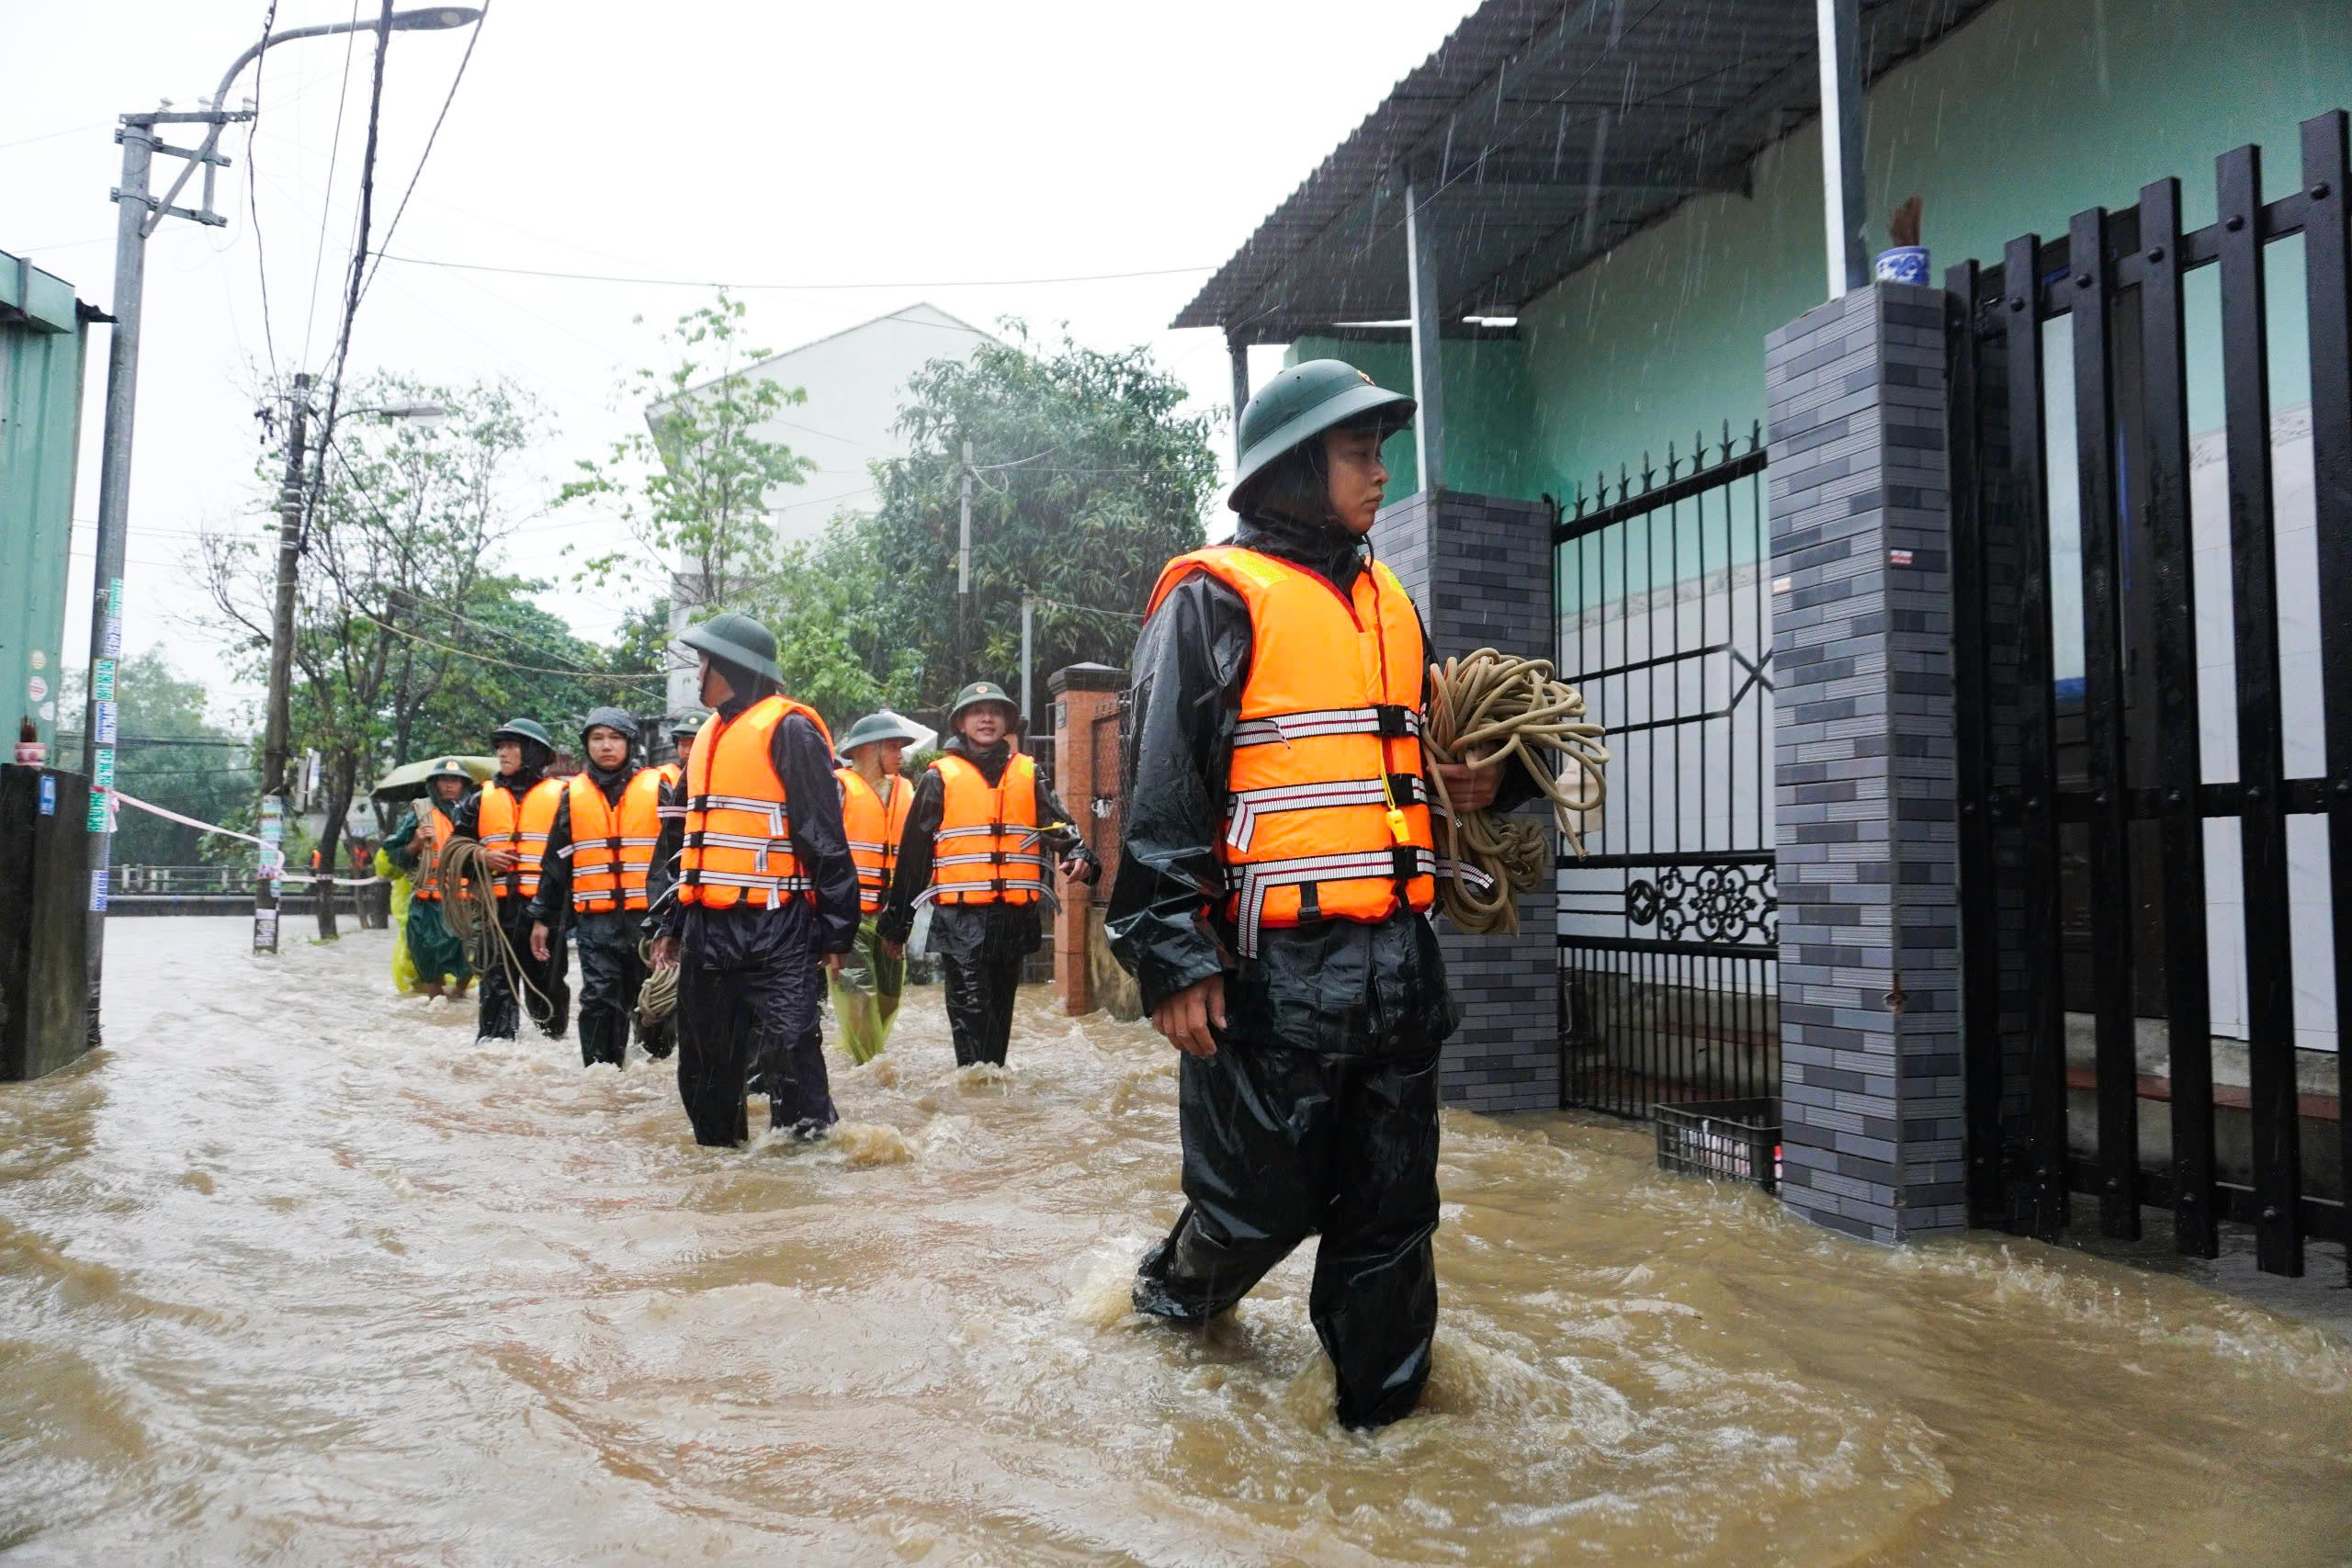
pixel 399 532
pixel 692 488
pixel 169 753
pixel 525 663
pixel 1087 479
pixel 839 643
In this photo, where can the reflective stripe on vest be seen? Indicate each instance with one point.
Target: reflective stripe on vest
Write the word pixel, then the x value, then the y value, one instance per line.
pixel 613 848
pixel 1327 817
pixel 873 828
pixel 434 830
pixel 739 826
pixel 500 827
pixel 986 848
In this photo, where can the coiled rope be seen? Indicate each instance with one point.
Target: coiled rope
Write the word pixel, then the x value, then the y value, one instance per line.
pixel 658 998
pixel 1484 710
pixel 469 909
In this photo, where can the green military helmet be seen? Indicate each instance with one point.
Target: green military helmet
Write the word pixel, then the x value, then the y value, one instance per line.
pixel 618 720
pixel 1301 403
pixel 686 724
pixel 874 727
pixel 523 729
pixel 980 692
pixel 449 768
pixel 738 641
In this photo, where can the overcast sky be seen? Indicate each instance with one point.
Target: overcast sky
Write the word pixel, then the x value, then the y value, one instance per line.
pixel 906 149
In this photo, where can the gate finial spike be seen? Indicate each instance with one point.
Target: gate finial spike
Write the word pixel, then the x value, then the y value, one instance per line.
pixel 1672 462
pixel 1754 435
pixel 1727 457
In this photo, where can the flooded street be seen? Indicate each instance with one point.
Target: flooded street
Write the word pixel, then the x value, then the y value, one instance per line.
pixel 296 1273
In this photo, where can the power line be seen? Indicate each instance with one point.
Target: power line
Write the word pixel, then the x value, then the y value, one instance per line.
pixel 252 208
pixel 335 154
pixel 473 37
pixel 443 605
pixel 788 287
pixel 358 248
pixel 656 682
pixel 1083 609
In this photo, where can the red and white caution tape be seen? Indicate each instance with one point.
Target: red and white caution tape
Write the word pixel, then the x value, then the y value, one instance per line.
pixel 275 853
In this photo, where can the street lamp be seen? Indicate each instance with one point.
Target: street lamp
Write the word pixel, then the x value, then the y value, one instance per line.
pixel 137 213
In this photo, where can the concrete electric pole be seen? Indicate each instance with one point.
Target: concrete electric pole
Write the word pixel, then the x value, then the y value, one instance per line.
pixel 277 736
pixel 964 575
pixel 137 211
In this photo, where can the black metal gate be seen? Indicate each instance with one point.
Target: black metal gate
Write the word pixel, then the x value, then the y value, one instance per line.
pixel 2165 724
pixel 1668 955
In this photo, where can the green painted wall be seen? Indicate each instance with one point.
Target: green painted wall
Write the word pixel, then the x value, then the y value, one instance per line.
pixel 40 404
pixel 2035 110
pixel 1488 405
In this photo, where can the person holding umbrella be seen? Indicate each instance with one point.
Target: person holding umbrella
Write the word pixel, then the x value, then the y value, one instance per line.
pixel 416 845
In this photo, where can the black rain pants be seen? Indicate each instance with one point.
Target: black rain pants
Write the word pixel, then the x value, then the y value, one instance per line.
pixel 981 988
pixel 502 1011
pixel 752 1030
pixel 1281 1144
pixel 611 974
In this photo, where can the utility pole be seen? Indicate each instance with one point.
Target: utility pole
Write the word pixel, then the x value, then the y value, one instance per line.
pixel 1028 642
pixel 278 737
pixel 137 211
pixel 964 573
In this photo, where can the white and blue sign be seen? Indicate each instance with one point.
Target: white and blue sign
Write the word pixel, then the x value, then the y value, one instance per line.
pixel 106 723
pixel 48 795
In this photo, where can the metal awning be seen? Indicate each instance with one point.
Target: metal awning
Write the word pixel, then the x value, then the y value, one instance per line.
pixel 1539 135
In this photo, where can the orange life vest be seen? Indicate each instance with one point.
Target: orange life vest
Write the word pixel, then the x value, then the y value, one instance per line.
pixel 987 847
pixel 1327 815
pixel 502 827
pixel 434 830
pixel 874 827
pixel 611 849
pixel 738 825
pixel 674 805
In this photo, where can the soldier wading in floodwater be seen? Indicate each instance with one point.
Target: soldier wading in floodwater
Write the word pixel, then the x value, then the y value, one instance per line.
pixel 1278 865
pixel 766 894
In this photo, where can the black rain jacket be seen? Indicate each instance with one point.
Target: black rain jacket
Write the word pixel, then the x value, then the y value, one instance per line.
pixel 751 936
pixel 1340 987
pixel 971 931
pixel 553 908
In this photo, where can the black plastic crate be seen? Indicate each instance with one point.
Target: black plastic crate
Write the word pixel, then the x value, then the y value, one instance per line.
pixel 1727 1140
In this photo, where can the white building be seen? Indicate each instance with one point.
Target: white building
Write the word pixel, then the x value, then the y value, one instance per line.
pixel 856 381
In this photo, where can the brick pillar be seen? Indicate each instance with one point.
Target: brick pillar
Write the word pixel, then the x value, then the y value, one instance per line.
pixel 1870 1092
pixel 1480 569
pixel 1086 763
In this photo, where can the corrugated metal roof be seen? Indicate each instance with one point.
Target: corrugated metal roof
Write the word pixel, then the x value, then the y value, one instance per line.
pixel 1537 137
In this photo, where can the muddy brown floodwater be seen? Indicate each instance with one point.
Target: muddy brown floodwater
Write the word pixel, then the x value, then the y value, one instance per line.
pixel 297 1273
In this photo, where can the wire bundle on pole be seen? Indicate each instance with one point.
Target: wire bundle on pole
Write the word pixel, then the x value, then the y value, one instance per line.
pixel 1484 710
pixel 469 909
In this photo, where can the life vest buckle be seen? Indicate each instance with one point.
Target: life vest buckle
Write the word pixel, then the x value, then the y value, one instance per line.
pixel 1396 721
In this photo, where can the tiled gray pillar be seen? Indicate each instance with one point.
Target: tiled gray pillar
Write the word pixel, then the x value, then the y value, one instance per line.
pixel 1480 569
pixel 1870 1096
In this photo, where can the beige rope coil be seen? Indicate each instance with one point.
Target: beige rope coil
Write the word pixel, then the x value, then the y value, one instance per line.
pixel 469 909
pixel 1483 711
pixel 658 998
